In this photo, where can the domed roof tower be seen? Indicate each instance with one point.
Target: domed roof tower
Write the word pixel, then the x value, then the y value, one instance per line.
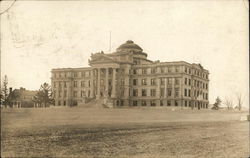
pixel 129 46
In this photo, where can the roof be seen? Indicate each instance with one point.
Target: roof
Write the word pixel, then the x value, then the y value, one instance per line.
pixel 129 45
pixel 23 94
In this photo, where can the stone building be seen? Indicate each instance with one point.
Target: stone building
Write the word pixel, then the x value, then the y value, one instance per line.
pixel 128 78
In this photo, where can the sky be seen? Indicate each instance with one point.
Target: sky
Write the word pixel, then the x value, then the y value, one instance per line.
pixel 37 36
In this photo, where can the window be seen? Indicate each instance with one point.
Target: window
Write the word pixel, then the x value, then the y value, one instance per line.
pixel 134 103
pixel 153 81
pixel 206 86
pixel 87 73
pixel 176 92
pixel 143 103
pixel 185 103
pixel 189 82
pixel 153 70
pixel 185 92
pixel 162 70
pixel 186 70
pixel 75 83
pixel 65 93
pixel 152 92
pixel 206 96
pixel 169 92
pixel 144 92
pixel 177 69
pixel 75 74
pixel 83 84
pixel 135 71
pixel 75 93
pixel 135 92
pixel 122 82
pixel 186 81
pixel 152 103
pixel 144 81
pixel 162 92
pixel 162 81
pixel 64 103
pixel 176 103
pixel 168 103
pixel 59 103
pixel 161 102
pixel 101 82
pixel 169 69
pixel 60 74
pixel 134 82
pixel 189 93
pixel 177 81
pixel 189 71
pixel 65 84
pixel 144 71
pixel 83 73
pixel 122 71
pixel 89 83
pixel 82 93
pixel 169 81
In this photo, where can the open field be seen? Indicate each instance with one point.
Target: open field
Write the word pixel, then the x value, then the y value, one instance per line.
pixel 136 133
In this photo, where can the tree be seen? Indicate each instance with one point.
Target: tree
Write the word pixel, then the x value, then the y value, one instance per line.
pixel 217 104
pixel 44 95
pixel 4 91
pixel 240 101
pixel 229 103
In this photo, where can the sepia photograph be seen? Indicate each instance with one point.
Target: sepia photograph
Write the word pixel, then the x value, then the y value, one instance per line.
pixel 124 79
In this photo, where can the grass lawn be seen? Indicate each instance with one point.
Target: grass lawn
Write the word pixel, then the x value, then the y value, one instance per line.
pixel 136 133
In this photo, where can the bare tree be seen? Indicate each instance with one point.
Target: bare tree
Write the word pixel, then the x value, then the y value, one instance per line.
pixel 229 103
pixel 239 100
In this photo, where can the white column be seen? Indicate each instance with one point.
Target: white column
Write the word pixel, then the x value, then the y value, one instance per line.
pixel 173 80
pixel 165 88
pixel 158 90
pixel 113 95
pixel 91 84
pixel 98 83
pixel 107 79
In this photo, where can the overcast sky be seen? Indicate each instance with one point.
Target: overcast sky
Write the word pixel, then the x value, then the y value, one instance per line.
pixel 39 36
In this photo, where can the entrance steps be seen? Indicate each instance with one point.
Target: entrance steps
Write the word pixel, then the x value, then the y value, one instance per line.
pixel 98 103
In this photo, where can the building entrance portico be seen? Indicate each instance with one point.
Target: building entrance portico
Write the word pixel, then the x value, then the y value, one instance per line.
pixel 106 82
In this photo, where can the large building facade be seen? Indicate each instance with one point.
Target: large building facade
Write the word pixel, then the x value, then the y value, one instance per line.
pixel 128 78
